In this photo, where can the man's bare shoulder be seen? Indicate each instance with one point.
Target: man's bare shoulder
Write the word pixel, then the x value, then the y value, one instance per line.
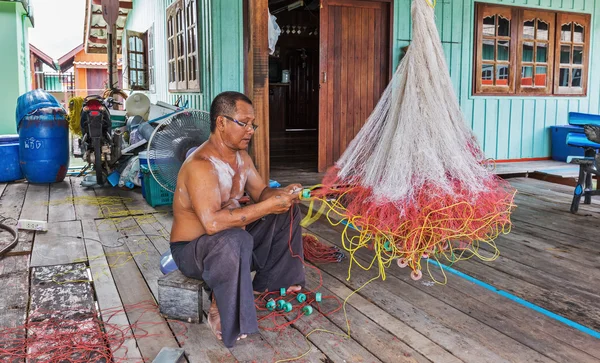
pixel 248 163
pixel 197 167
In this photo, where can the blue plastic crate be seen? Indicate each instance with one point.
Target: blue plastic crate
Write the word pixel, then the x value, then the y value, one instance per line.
pixel 560 150
pixel 154 194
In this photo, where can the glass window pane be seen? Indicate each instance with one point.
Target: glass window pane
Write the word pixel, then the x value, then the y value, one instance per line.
pixel 131 43
pixel 565 54
pixel 528 52
pixel 563 80
pixel 489 25
pixel 578 33
pixel 541 53
pixel 528 29
pixel 487 71
pixel 542 30
pixel 526 76
pixel 577 54
pixel 503 50
pixel 502 75
pixel 540 76
pixel 565 32
pixel 503 27
pixel 488 49
pixel 140 45
pixel 576 82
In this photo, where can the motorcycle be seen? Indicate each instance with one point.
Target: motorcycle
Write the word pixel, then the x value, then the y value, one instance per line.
pixel 100 146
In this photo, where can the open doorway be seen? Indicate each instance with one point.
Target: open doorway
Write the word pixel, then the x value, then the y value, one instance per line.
pixel 294 86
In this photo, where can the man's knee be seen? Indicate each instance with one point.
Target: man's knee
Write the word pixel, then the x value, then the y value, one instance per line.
pixel 236 241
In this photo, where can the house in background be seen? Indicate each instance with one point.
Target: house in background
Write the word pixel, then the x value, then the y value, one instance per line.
pixel 37 60
pixel 189 51
pixel 15 20
pixel 45 74
pixel 517 68
pixel 90 71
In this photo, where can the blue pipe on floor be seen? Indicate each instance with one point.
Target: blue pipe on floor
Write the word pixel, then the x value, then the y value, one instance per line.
pixel 518 300
pixel 539 309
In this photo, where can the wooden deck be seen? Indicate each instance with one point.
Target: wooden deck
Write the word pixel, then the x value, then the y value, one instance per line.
pixel 550 259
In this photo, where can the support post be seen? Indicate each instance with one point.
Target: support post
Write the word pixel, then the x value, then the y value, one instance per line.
pixel 257 80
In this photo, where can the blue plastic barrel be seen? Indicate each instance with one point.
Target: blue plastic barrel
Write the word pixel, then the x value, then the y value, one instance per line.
pixel 10 169
pixel 44 145
pixel 32 101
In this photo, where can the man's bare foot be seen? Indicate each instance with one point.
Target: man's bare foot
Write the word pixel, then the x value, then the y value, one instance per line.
pixel 294 288
pixel 258 293
pixel 214 319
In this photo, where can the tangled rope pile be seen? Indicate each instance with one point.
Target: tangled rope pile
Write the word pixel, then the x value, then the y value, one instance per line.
pixel 79 340
pixel 317 252
pixel 414 181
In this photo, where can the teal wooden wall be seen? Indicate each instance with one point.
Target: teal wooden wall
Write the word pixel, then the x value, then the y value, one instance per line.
pixel 14 61
pixel 512 127
pixel 220 38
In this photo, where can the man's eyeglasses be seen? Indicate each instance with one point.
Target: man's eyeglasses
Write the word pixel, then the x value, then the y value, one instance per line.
pixel 242 124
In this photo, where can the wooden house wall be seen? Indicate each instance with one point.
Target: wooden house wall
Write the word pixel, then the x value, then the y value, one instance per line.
pixel 508 127
pixel 220 39
pixel 14 61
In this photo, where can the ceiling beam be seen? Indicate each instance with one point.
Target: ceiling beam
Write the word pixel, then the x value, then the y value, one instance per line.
pixel 103 27
pixel 122 4
pixel 97 40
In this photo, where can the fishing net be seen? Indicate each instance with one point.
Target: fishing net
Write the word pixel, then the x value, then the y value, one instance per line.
pixel 414 182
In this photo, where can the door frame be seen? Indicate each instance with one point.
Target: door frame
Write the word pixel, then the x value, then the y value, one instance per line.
pixel 323 63
pixel 256 77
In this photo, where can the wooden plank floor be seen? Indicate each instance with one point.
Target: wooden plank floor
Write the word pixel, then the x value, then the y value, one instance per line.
pixel 551 259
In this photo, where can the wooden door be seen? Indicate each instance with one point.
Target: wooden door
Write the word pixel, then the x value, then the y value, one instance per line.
pixel 355 68
pixel 304 89
pixel 97 80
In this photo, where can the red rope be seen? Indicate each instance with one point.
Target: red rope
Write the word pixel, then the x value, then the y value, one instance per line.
pixel 60 339
pixel 297 312
pixel 317 252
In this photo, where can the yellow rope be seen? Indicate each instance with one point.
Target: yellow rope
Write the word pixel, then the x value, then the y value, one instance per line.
pixel 74 116
pixel 388 246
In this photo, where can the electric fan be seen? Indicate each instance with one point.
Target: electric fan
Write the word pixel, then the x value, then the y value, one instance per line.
pixel 171 141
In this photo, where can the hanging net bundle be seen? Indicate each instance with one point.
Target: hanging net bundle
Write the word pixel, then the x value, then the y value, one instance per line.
pixel 414 183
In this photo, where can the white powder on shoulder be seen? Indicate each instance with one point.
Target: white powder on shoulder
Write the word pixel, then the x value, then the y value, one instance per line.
pixel 224 172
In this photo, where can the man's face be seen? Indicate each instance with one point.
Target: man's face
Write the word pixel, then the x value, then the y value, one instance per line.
pixel 238 135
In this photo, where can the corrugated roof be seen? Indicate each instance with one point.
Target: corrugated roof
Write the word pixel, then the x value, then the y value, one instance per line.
pixel 95 30
pixel 96 64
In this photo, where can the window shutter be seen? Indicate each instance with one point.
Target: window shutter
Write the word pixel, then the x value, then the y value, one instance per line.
pixel 535 52
pixel 572 54
pixel 496 36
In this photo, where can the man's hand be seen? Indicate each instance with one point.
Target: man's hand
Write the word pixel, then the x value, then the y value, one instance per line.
pixel 282 202
pixel 293 188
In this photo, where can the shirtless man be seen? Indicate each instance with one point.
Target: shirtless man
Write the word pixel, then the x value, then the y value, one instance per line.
pixel 215 239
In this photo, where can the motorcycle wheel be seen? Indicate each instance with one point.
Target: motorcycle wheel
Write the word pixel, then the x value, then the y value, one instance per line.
pixel 98 163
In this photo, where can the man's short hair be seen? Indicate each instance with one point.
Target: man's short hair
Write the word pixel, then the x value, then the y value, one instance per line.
pixel 224 104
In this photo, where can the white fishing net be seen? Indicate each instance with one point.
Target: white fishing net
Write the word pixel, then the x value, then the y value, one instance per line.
pixel 416 135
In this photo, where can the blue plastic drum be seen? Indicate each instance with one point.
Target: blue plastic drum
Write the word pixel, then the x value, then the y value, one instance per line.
pixel 10 169
pixel 44 145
